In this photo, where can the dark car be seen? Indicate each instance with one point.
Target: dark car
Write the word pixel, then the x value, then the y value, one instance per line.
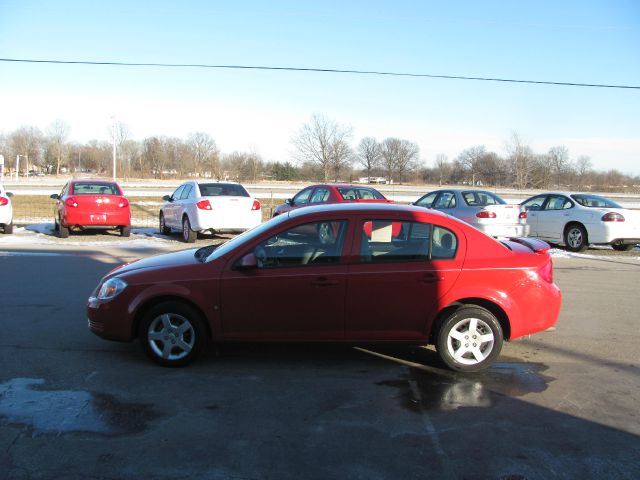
pixel 331 193
pixel 439 281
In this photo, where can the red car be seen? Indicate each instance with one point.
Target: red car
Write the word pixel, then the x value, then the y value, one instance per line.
pixel 439 281
pixel 91 204
pixel 331 193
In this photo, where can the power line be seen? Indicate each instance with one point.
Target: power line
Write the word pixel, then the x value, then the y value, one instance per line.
pixel 319 70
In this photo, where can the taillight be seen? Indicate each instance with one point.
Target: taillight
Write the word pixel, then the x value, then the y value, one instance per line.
pixel 256 205
pixel 123 202
pixel 486 214
pixel 546 271
pixel 4 201
pixel 204 205
pixel 71 202
pixel 612 217
pixel 523 214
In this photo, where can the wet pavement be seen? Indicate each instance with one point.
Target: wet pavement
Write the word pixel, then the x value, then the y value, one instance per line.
pixel 560 404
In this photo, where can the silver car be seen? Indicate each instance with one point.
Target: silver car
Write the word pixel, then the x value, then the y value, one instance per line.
pixel 482 209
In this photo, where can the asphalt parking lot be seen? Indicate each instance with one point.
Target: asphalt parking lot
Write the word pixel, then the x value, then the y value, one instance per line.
pixel 560 404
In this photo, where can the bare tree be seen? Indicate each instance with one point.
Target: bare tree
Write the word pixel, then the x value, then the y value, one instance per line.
pixel 58 133
pixel 559 161
pixel 583 168
pixel 398 156
pixel 204 153
pixel 443 167
pixel 369 154
pixel 323 143
pixel 27 141
pixel 521 160
pixel 470 160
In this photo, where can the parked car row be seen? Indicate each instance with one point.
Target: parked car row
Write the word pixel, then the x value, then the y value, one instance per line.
pixel 573 220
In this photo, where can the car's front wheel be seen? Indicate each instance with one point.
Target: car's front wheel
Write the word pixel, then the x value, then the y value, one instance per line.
pixel 188 235
pixel 172 334
pixel 469 339
pixel 164 230
pixel 575 238
pixel 8 228
pixel 63 232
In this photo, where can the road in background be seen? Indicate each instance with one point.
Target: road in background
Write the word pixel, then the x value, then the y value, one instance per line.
pixel 559 404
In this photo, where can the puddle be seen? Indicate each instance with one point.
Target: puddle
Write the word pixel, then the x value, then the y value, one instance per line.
pixel 24 401
pixel 422 391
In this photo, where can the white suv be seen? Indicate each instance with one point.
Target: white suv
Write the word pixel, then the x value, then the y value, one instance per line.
pixel 209 207
pixel 6 211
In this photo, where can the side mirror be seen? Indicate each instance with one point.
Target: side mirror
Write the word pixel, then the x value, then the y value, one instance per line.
pixel 8 194
pixel 55 196
pixel 248 262
pixel 289 201
pixel 167 198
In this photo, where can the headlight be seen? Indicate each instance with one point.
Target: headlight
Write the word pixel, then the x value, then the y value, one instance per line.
pixel 111 288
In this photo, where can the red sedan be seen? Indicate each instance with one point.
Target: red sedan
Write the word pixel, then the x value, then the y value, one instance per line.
pixel 331 193
pixel 91 204
pixel 438 281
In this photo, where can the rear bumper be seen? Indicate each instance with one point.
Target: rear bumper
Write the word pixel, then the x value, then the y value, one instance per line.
pixel 513 230
pixel 97 219
pixel 205 220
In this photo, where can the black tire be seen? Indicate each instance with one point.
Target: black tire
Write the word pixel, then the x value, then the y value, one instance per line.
pixel 172 334
pixel 56 227
pixel 125 231
pixel 164 230
pixel 622 248
pixel 474 325
pixel 63 232
pixel 8 228
pixel 575 237
pixel 188 235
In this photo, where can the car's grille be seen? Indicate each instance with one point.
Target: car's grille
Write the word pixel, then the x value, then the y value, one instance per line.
pixel 95 326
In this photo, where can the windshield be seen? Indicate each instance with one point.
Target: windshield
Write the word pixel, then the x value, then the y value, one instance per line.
pixel 594 201
pixel 479 198
pixel 246 237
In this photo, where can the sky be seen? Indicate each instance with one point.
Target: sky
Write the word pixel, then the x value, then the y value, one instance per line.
pixel 596 42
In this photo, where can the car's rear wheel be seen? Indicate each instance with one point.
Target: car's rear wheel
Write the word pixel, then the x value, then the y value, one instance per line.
pixel 188 235
pixel 125 231
pixel 469 339
pixel 8 228
pixel 623 248
pixel 63 232
pixel 172 334
pixel 575 238
pixel 164 230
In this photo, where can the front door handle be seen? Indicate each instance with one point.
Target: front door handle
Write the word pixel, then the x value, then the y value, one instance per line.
pixel 431 278
pixel 324 282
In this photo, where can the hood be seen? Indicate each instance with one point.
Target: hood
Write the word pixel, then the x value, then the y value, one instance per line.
pixel 166 260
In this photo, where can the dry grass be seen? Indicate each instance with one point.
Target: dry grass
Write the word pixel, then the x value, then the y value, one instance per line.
pixel 144 210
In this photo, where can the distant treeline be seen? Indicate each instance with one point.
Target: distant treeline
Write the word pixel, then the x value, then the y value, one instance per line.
pixel 323 151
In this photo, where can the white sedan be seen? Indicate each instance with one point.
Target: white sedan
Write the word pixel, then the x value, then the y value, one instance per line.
pixel 6 211
pixel 209 207
pixel 483 209
pixel 576 220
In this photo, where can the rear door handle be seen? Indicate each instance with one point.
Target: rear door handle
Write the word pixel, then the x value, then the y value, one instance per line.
pixel 324 282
